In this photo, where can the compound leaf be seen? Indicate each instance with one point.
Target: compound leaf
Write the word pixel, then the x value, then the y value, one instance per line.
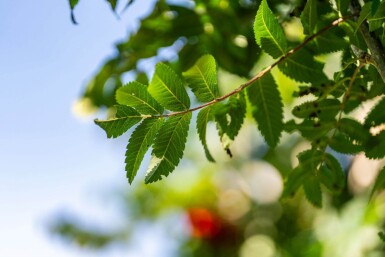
pixel 140 140
pixel 125 118
pixel 167 88
pixel 168 147
pixel 204 116
pixel 267 108
pixel 135 95
pixel 202 78
pixel 268 33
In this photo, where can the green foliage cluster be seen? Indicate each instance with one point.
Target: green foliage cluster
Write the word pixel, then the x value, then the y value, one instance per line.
pixel 162 105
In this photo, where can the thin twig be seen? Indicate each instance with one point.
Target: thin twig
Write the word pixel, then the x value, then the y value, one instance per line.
pixel 263 72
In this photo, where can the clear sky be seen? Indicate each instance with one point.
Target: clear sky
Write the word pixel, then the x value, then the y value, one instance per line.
pixel 51 161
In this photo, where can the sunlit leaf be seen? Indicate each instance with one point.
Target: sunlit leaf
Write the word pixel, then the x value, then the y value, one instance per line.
pixel 135 95
pixel 268 33
pixel 140 141
pixel 167 88
pixel 168 147
pixel 125 118
pixel 267 108
pixel 202 78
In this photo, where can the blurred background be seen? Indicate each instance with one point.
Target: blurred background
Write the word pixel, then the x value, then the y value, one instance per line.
pixel 63 190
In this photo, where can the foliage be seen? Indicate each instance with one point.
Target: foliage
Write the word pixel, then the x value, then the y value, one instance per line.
pixel 215 35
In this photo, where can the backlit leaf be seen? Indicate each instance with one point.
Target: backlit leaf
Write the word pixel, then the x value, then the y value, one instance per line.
pixel 302 67
pixel 267 108
pixel 204 116
pixel 268 33
pixel 168 147
pixel 140 141
pixel 202 78
pixel 135 95
pixel 125 118
pixel 167 88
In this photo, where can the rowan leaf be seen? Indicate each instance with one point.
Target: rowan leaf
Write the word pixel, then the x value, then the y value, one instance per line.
pixel 375 146
pixel 302 67
pixel 113 4
pixel 204 116
pixel 168 147
pixel 140 141
pixel 267 108
pixel 342 6
pixel 309 17
pixel 135 95
pixel 167 88
pixel 202 78
pixel 268 33
pixel 125 118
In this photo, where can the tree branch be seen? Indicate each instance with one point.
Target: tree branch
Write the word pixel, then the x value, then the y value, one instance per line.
pixel 263 72
pixel 374 44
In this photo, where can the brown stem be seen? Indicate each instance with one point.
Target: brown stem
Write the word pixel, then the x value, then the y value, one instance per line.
pixel 264 71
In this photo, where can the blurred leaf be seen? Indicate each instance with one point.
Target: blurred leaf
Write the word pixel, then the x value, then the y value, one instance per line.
pixel 309 17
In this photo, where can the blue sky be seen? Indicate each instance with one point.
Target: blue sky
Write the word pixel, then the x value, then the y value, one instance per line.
pixel 49 159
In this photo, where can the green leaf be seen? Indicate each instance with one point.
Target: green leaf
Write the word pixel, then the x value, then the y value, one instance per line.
pixel 135 95
pixel 168 147
pixel 140 140
pixel 325 109
pixel 204 116
pixel 267 107
pixel 328 42
pixel 302 67
pixel 310 129
pixel 331 174
pixel 268 33
pixel 379 184
pixel 312 191
pixel 342 6
pixel 375 146
pixel 202 78
pixel 364 14
pixel 125 118
pixel 309 17
pixel 375 5
pixel 167 88
pixel 294 181
pixel 73 3
pixel 377 20
pixel 377 115
pixel 113 4
pixel 230 116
